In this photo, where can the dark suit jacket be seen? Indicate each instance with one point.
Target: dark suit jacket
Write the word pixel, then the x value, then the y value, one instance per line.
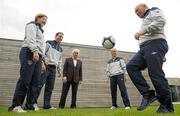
pixel 72 72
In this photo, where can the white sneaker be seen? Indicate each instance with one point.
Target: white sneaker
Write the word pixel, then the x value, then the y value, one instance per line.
pixel 127 108
pixel 113 107
pixel 18 109
pixel 52 108
pixel 36 108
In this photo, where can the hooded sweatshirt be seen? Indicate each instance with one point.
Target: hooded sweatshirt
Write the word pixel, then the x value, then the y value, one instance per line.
pixel 152 25
pixel 34 38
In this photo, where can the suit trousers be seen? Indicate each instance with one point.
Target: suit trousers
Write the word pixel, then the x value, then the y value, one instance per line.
pixel 65 89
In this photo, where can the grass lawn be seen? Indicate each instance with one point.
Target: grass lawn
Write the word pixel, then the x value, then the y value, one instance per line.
pixel 150 111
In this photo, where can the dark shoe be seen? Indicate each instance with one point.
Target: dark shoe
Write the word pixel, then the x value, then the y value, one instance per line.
pixel 29 107
pixel 61 107
pixel 73 107
pixel 50 108
pixel 163 109
pixel 10 108
pixel 146 102
pixel 46 107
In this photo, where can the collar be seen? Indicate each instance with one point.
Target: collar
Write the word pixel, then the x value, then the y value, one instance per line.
pixel 56 42
pixel 147 11
pixel 113 59
pixel 37 24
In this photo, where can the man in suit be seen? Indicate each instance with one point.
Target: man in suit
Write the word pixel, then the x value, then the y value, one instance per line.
pixel 72 75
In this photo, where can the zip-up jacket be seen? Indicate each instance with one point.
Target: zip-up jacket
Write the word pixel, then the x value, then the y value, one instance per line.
pixel 152 25
pixel 54 53
pixel 34 38
pixel 116 66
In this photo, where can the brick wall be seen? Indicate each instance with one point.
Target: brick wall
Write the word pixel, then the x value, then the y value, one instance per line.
pixel 94 91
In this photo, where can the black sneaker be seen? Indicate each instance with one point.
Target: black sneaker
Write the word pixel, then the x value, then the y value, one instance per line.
pixel 10 108
pixel 73 107
pixel 163 109
pixel 146 102
pixel 29 107
pixel 61 107
pixel 49 108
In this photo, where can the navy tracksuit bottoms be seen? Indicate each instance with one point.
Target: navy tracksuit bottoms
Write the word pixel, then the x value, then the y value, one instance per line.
pixel 150 56
pixel 27 84
pixel 119 80
pixel 47 78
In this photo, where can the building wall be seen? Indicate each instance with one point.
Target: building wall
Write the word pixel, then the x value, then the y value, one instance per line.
pixel 94 91
pixel 174 81
pixel 175 88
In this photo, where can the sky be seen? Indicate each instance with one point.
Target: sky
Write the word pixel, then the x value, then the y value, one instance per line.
pixel 88 21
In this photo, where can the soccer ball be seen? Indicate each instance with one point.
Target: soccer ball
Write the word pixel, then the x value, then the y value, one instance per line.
pixel 108 42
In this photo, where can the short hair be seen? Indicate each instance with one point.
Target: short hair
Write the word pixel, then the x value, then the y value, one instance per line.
pixel 40 15
pixel 76 50
pixel 59 33
pixel 113 49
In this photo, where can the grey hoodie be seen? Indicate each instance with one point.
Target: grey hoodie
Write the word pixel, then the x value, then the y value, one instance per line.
pixel 34 38
pixel 152 25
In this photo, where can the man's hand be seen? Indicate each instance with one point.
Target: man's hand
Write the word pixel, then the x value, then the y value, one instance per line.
pixel 64 79
pixel 43 67
pixel 125 77
pixel 46 61
pixel 35 56
pixel 164 59
pixel 138 34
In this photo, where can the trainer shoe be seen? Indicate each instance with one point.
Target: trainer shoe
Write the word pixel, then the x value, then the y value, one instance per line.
pixel 113 107
pixel 18 109
pixel 36 108
pixel 127 108
pixel 163 109
pixel 52 108
pixel 146 102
